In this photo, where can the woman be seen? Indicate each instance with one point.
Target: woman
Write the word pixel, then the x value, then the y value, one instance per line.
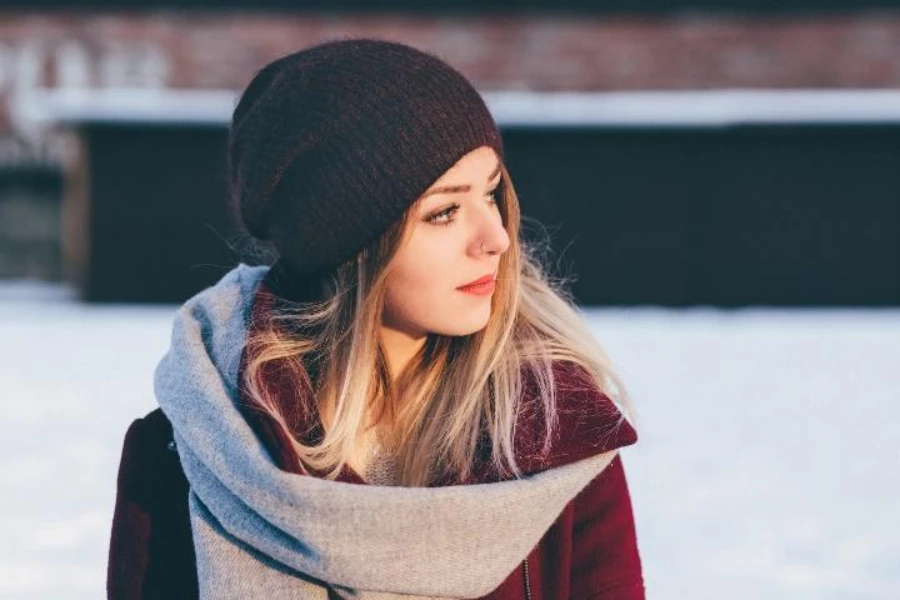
pixel 402 406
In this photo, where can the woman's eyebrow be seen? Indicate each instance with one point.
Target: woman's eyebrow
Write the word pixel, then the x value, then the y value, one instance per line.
pixel 454 189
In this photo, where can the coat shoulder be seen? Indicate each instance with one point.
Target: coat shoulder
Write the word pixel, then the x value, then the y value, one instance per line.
pixel 152 436
pixel 151 467
pixel 156 421
pixel 151 551
pixel 154 426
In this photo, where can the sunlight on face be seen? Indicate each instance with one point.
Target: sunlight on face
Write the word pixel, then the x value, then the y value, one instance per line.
pixel 458 237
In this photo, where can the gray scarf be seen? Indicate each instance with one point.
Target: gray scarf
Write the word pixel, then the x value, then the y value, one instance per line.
pixel 260 532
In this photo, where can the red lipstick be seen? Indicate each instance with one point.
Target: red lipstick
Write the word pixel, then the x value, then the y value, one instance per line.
pixel 481 287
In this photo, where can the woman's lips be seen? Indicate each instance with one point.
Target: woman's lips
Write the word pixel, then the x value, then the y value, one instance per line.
pixel 480 287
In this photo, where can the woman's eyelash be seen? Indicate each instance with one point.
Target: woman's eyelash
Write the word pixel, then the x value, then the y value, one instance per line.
pixel 435 218
pixel 448 212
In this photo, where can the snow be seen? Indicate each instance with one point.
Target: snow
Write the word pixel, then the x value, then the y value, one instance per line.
pixel 768 464
pixel 38 108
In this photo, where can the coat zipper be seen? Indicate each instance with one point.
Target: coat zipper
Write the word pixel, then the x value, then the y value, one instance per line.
pixel 527 580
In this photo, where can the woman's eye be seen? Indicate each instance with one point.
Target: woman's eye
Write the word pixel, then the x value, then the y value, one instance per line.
pixel 443 217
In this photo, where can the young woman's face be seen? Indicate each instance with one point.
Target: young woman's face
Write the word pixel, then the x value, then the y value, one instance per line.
pixel 457 237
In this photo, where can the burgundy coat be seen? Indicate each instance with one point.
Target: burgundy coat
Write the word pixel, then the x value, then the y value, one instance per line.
pixel 589 553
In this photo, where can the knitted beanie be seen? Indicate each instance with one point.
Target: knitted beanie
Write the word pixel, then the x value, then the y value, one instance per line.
pixel 330 145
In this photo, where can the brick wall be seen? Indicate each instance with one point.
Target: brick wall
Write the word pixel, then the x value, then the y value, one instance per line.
pixel 208 50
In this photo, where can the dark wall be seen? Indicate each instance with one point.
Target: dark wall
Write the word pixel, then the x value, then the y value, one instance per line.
pixel 780 216
pixel 29 222
pixel 156 214
pixel 726 217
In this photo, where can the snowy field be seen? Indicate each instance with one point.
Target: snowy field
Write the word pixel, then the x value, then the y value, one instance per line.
pixel 768 465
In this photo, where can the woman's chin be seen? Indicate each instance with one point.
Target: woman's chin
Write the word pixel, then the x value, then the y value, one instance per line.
pixel 461 328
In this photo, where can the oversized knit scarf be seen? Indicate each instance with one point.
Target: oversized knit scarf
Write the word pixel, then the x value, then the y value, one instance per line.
pixel 261 532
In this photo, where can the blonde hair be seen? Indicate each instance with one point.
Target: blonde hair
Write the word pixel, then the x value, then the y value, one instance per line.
pixel 455 390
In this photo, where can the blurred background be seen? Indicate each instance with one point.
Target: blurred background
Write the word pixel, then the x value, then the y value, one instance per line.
pixel 720 179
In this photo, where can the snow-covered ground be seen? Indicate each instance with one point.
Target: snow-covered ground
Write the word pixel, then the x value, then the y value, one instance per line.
pixel 768 465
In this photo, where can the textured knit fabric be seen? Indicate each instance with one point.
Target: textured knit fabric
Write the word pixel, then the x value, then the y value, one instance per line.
pixel 589 552
pixel 262 532
pixel 380 465
pixel 381 469
pixel 329 145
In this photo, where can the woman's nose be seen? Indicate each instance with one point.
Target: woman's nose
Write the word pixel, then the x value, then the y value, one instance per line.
pixel 492 237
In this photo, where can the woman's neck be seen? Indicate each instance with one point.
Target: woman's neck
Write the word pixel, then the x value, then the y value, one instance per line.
pixel 399 348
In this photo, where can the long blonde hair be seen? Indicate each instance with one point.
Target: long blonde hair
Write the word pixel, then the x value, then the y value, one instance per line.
pixel 455 390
